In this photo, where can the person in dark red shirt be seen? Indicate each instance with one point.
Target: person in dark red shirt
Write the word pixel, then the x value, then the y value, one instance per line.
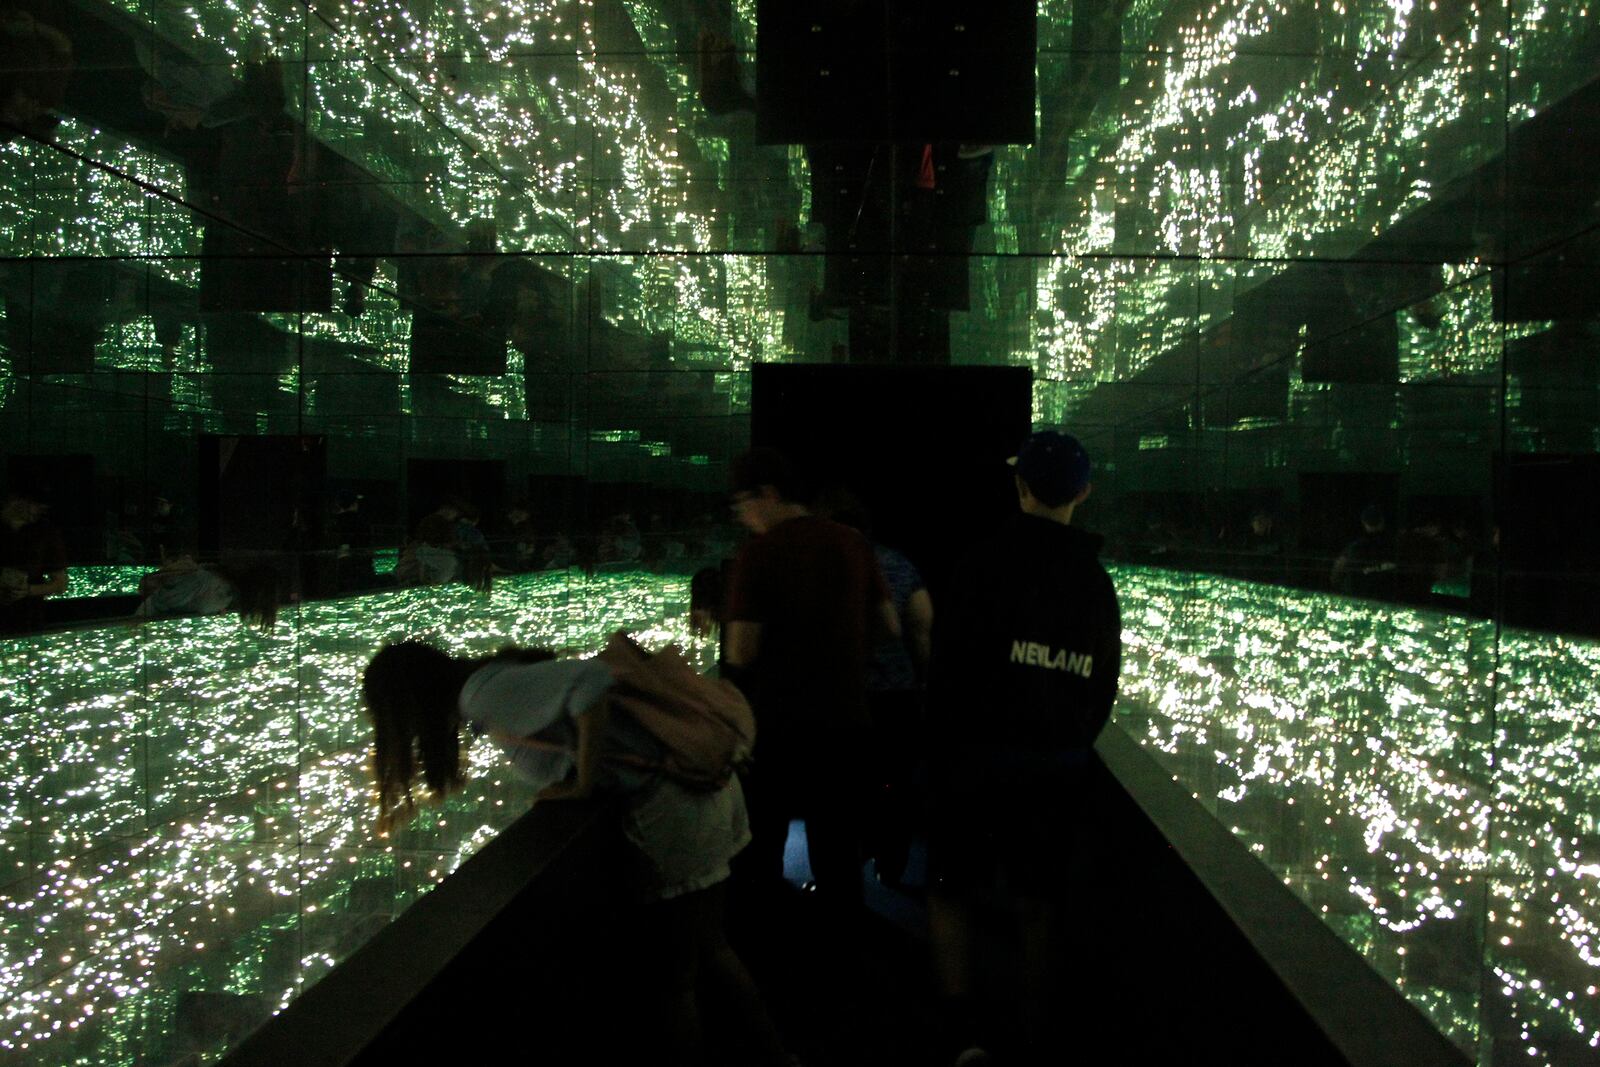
pixel 806 600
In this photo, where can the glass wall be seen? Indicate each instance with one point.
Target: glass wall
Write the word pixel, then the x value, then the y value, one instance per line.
pixel 437 318
pixel 188 820
pixel 1325 331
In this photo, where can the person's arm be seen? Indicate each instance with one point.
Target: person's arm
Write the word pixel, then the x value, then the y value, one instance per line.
pixel 746 607
pixel 919 621
pixel 741 642
pixel 592 727
pixel 705 601
pixel 888 618
pixel 55 583
pixel 54 568
pixel 1107 668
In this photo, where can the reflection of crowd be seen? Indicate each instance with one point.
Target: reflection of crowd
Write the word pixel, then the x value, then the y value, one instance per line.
pixel 325 546
pixel 332 548
pixel 34 567
pixel 454 544
pixel 184 587
pixel 1432 561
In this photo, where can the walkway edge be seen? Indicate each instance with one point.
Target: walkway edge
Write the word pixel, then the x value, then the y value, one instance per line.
pixel 1368 1020
pixel 332 1022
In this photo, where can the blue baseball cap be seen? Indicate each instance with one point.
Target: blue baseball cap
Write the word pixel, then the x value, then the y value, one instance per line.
pixel 1054 465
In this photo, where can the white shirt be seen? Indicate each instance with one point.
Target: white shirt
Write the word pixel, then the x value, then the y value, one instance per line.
pixel 527 699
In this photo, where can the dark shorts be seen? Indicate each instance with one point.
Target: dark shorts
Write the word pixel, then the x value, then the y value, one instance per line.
pixel 1001 827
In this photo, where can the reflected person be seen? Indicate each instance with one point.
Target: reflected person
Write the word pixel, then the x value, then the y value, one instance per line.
pixel 184 588
pixel 432 557
pixel 1368 566
pixel 352 545
pixel 895 676
pixel 33 560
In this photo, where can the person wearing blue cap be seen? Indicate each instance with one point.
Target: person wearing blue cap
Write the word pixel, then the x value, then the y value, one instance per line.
pixel 1027 649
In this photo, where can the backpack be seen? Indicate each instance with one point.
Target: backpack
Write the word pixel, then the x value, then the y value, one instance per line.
pixel 705 725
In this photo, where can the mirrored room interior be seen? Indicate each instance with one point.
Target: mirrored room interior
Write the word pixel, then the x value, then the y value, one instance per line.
pixel 329 323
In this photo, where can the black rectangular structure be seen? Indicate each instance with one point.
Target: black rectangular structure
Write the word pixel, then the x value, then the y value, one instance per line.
pixel 260 495
pixel 924 448
pixel 431 482
pixel 1545 513
pixel 896 70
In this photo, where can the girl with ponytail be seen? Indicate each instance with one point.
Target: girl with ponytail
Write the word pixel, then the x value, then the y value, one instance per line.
pixel 551 719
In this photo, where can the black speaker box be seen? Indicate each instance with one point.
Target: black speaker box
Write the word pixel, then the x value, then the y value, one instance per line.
pixel 906 70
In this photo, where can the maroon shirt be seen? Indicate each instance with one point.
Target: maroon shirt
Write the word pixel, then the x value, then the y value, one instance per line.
pixel 815 588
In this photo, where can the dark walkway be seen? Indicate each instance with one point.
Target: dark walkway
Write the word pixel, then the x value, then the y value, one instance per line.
pixel 1161 976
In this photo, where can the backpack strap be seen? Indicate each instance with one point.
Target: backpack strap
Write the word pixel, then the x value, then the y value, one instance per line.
pixel 514 741
pixel 627 759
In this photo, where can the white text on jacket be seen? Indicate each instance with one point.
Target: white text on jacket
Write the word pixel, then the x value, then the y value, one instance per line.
pixel 1035 655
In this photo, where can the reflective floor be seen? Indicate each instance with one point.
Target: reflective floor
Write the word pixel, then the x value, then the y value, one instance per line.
pixel 186 823
pixel 185 817
pixel 1429 791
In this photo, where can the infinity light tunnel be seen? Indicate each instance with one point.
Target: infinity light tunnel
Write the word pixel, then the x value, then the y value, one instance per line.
pixel 1427 790
pixel 186 822
pixel 185 817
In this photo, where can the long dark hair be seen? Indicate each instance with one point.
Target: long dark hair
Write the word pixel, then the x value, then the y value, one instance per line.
pixel 411 691
pixel 257 592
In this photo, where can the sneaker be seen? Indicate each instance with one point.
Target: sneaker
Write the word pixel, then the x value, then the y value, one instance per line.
pixel 973 1057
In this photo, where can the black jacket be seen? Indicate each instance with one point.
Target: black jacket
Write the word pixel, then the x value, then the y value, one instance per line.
pixel 1027 643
